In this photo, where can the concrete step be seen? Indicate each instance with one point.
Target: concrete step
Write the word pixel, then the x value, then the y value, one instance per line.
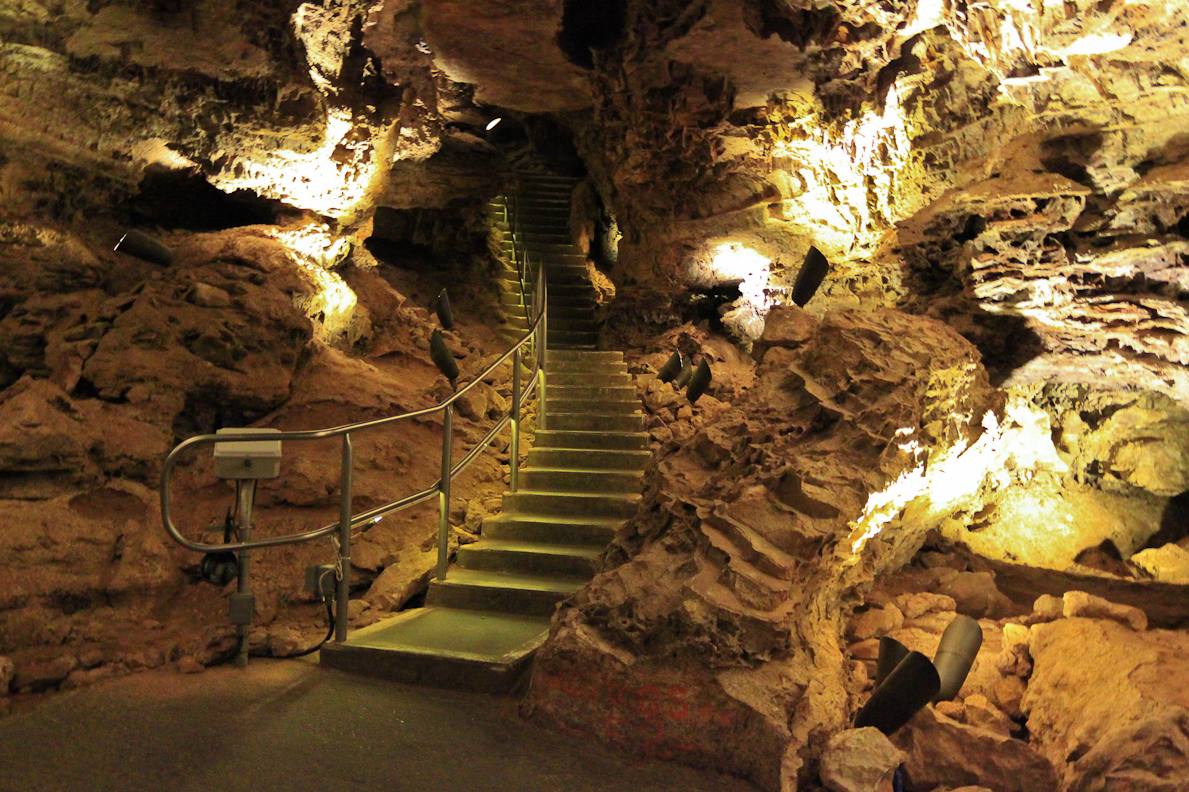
pixel 548 528
pixel 582 378
pixel 539 213
pixel 563 322
pixel 530 558
pixel 583 347
pixel 564 288
pixel 572 365
pixel 569 504
pixel 544 248
pixel 479 651
pixel 609 392
pixel 548 197
pixel 571 302
pixel 573 340
pixel 588 422
pixel 604 406
pixel 591 458
pixel 506 592
pixel 613 356
pixel 567 438
pixel 580 479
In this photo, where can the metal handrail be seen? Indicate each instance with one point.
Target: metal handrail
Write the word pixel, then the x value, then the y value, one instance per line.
pixel 535 334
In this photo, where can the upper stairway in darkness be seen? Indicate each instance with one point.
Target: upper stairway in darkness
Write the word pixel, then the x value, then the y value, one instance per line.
pixel 481 625
pixel 540 208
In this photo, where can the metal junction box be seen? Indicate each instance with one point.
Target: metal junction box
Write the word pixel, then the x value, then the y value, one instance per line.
pixel 248 459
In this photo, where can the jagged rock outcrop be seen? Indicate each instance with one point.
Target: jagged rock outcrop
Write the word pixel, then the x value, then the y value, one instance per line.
pixel 109 361
pixel 732 579
pixel 1108 704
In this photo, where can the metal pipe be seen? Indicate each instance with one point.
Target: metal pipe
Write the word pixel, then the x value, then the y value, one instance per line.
pixel 542 357
pixel 172 459
pixel 534 335
pixel 444 494
pixel 247 498
pixel 343 594
pixel 514 416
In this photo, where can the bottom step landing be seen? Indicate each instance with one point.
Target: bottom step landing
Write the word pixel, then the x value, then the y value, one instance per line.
pixel 482 651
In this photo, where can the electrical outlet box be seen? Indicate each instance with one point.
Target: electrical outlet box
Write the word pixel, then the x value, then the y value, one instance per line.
pixel 321 580
pixel 248 459
pixel 243 607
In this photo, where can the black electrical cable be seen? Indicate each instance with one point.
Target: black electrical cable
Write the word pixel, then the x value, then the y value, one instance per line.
pixel 329 632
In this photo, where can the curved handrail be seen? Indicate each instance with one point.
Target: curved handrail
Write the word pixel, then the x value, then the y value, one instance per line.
pixel 536 332
pixel 322 434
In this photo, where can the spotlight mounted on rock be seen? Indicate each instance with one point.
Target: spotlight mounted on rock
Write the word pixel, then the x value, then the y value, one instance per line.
pixel 955 655
pixel 219 567
pixel 909 687
pixel 145 248
pixel 698 382
pixel 671 368
pixel 443 359
pixel 442 308
pixel 493 123
pixel 891 653
pixel 812 273
pixel 687 371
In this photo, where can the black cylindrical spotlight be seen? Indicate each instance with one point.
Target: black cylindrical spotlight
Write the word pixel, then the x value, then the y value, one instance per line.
pixel 698 381
pixel 445 316
pixel 145 248
pixel 891 652
pixel 219 567
pixel 909 687
pixel 671 368
pixel 687 371
pixel 442 358
pixel 955 655
pixel 813 272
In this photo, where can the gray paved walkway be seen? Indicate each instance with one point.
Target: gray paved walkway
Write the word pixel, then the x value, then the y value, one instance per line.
pixel 289 725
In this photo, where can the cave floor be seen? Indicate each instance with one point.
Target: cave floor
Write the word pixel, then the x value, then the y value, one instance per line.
pixel 289 725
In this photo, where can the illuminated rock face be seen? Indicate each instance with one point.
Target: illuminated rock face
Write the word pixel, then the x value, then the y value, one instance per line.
pixel 996 358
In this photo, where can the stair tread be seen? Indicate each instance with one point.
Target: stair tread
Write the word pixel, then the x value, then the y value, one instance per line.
pixel 555 469
pixel 560 519
pixel 551 548
pixel 480 636
pixel 562 494
pixel 511 580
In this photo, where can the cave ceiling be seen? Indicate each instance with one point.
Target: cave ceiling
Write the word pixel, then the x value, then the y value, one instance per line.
pixel 1017 170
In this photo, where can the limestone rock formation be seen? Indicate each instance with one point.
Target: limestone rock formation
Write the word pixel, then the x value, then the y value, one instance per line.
pixel 859 760
pixel 1107 704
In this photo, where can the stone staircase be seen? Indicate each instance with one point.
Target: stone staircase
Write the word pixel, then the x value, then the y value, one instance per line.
pixel 482 624
pixel 541 208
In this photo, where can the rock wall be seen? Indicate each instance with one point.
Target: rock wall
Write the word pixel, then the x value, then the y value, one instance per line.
pixel 735 624
pixel 110 361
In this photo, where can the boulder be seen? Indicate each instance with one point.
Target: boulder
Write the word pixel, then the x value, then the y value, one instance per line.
pixel 1079 603
pixel 875 622
pixel 1109 705
pixel 42 674
pixel 944 753
pixel 975 595
pixel 7 672
pixel 401 579
pixel 859 760
pixel 915 606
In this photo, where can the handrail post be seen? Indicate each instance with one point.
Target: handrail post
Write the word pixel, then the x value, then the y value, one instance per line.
pixel 543 329
pixel 343 593
pixel 515 418
pixel 247 498
pixel 444 492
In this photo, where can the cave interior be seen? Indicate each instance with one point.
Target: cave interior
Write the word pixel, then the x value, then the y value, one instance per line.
pixel 925 265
